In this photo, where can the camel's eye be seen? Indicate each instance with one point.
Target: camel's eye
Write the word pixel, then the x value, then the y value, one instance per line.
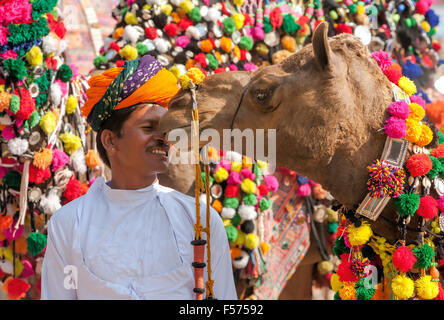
pixel 261 95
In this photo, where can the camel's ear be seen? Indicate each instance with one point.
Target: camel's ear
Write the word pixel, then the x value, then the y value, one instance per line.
pixel 321 48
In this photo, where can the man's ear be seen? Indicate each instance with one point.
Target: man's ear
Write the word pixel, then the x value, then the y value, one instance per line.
pixel 108 139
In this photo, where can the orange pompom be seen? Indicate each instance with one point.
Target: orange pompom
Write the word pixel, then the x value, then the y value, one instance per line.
pixel 118 33
pixel 235 252
pixel 217 205
pixel 435 112
pixel 226 44
pixel 438 152
pixel 265 247
pixel 43 159
pixel 5 222
pixel 190 64
pixel 206 46
pixel 92 159
pixel 21 246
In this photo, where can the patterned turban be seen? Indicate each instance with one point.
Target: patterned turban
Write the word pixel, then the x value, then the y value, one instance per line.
pixel 142 80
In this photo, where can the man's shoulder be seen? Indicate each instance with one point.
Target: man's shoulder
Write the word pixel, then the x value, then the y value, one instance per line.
pixel 172 193
pixel 67 215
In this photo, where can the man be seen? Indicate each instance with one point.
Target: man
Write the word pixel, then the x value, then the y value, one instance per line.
pixel 130 238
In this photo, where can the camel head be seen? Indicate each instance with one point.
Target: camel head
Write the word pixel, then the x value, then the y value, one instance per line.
pixel 326 102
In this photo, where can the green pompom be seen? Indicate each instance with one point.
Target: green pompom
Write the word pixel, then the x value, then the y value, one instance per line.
pixel 332 227
pixel 99 60
pixel 407 204
pixel 202 175
pixel 142 49
pixel 267 25
pixel 368 252
pixel 195 14
pixel 64 73
pixel 19 33
pixel 340 247
pixel 432 32
pixel 289 25
pixel 16 68
pixel 34 119
pixel 264 204
pixel 236 220
pixel 229 26
pixel 436 169
pixel 231 202
pixel 36 243
pixel 40 7
pixel 232 233
pixel 424 255
pixel 441 137
pixel 362 292
pixel 42 82
pixel 250 199
pixel 212 61
pixel 246 43
pixel 14 105
pixel 257 172
pixel 12 179
pixel 41 99
pixel 353 8
pixel 336 296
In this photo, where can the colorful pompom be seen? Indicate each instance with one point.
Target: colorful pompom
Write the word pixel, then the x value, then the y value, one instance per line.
pixel 404 259
pixel 419 164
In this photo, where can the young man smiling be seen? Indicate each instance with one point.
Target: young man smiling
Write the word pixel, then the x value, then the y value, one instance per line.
pixel 130 238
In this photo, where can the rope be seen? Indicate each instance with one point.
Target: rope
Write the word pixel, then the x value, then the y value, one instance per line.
pixel 210 282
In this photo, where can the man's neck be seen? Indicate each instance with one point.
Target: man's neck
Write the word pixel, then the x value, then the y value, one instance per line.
pixel 125 182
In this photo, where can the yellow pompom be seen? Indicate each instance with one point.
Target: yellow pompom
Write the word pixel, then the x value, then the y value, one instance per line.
pixel 131 18
pixel 176 71
pixel 251 241
pixel 248 186
pixel 417 112
pixel 413 131
pixel 402 286
pixel 332 215
pixel 195 75
pixel 361 9
pixel 184 81
pixel 166 9
pixel 348 292
pixel 425 25
pixel 236 166
pixel 128 52
pixel 359 235
pixel 71 142
pixel 7 253
pixel 324 267
pixel 426 136
pixel 220 175
pixel 407 85
pixel 34 56
pixel 227 222
pixel 226 44
pixel 43 159
pixel 217 205
pixel 335 283
pixel 426 288
pixel 71 104
pixel 265 247
pixel 146 6
pixel 238 2
pixel 247 162
pixel 240 238
pixel 5 101
pixel 92 159
pixel 48 122
pixel 238 20
pixel 262 164
pixel 186 6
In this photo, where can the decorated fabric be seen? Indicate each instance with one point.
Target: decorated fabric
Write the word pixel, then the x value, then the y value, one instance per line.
pixel 141 80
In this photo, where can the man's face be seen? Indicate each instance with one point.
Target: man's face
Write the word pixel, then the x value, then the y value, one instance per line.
pixel 141 149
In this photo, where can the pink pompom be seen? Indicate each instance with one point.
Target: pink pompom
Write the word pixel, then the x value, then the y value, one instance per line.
pixel 63 87
pixel 59 159
pixel 182 41
pixel 75 70
pixel 271 182
pixel 257 33
pixel 399 109
pixel 250 66
pixel 8 133
pixel 417 99
pixel 9 233
pixel 91 181
pixel 441 203
pixel 226 164
pixel 428 207
pixel 233 67
pixel 234 178
pixel 304 190
pixel 383 59
pixel 246 173
pixel 27 269
pixel 9 55
pixel 395 127
pixel 422 6
pixel 404 258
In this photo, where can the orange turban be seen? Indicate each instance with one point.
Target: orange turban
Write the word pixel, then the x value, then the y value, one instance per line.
pixel 142 80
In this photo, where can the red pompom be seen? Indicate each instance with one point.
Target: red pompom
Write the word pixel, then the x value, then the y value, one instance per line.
pixel 185 23
pixel 220 70
pixel 422 6
pixel 151 33
pixel 343 28
pixel 276 18
pixel 114 46
pixel 428 207
pixel 15 288
pixel 231 190
pixel 345 272
pixel 438 152
pixel 51 63
pixel 263 189
pixel 440 295
pixel 404 258
pixel 201 59
pixel 436 46
pixel 27 104
pixel 393 74
pixel 120 63
pixel 171 29
pixel 243 54
pixel 419 164
pixel 73 189
pixel 37 175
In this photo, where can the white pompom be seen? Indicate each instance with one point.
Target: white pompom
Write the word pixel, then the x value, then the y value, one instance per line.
pixel 7 266
pixel 56 94
pixel 162 45
pixel 181 68
pixel 247 212
pixel 63 46
pixel 193 33
pixel 50 203
pixel 131 34
pixel 242 261
pixel 50 44
pixel 18 146
pixel 213 14
pixel 176 2
pixel 203 11
pixel 227 213
pixel 78 161
pixel 233 156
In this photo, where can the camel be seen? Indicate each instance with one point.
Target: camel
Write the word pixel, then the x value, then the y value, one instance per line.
pixel 328 103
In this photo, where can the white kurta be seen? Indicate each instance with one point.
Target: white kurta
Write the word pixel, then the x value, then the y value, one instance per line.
pixel 130 244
